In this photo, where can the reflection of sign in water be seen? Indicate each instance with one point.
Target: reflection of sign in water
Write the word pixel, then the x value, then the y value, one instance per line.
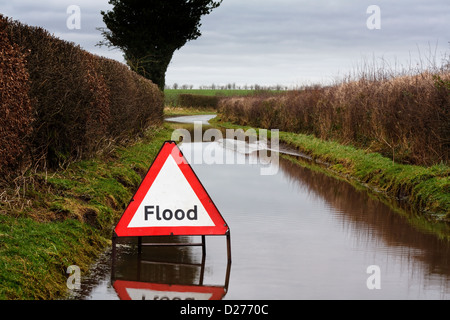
pixel 171 201
pixel 131 290
pixel 167 280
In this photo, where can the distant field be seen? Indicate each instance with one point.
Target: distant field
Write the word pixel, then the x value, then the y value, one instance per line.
pixel 171 95
pixel 208 92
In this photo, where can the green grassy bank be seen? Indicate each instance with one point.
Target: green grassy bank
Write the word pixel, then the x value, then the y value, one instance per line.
pixel 52 220
pixel 425 189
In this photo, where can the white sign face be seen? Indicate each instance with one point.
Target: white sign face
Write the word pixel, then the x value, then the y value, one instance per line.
pixel 171 202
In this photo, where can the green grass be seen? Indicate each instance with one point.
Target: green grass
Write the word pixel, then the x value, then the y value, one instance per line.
pixel 34 256
pixel 427 188
pixel 209 92
pixel 68 218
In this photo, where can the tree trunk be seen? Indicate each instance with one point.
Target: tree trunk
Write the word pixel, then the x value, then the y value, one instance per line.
pixel 153 67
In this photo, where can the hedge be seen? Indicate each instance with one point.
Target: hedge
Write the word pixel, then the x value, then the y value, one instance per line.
pixel 67 103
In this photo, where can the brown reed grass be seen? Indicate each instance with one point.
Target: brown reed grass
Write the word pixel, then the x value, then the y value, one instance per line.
pixel 405 117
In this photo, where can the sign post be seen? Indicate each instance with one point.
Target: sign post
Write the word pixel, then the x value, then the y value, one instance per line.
pixel 171 201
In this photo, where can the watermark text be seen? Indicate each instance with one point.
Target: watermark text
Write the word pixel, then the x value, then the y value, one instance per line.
pixel 73 22
pixel 74 280
pixel 374 20
pixel 238 147
pixel 374 281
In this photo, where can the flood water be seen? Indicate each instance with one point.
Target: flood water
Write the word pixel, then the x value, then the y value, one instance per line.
pixel 298 234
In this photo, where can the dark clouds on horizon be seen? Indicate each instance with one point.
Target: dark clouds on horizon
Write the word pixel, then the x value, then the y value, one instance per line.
pixel 287 42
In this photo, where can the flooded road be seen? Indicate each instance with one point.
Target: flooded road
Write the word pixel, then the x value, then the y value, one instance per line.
pixel 298 234
pixel 204 119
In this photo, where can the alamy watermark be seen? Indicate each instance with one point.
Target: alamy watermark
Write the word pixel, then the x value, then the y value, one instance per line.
pixel 374 281
pixel 73 22
pixel 239 147
pixel 74 279
pixel 374 20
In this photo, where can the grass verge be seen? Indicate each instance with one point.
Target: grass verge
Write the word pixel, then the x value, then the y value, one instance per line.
pixel 426 189
pixel 51 220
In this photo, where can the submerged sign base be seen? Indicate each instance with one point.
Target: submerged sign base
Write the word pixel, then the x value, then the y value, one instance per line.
pixel 171 244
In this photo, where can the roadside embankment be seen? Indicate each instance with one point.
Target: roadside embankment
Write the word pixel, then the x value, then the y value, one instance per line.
pixel 59 218
pixel 66 116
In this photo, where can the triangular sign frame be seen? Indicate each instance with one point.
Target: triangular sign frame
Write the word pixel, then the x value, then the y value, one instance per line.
pixel 127 227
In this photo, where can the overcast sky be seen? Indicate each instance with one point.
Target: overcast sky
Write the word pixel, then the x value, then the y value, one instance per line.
pixel 268 42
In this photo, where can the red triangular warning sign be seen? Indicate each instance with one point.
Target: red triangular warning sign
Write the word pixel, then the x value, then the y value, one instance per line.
pixel 171 201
